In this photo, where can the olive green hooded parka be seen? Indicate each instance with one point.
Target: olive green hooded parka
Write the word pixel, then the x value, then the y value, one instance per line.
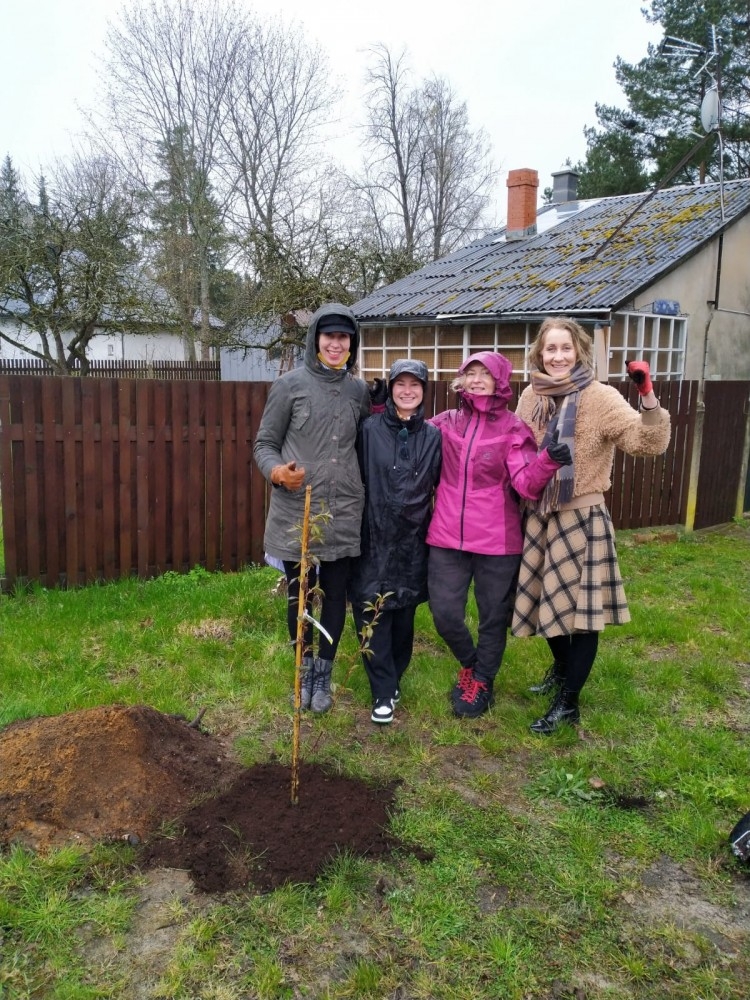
pixel 311 417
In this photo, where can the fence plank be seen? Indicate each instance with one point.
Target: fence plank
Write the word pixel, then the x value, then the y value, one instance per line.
pixel 258 488
pixel 228 474
pixel 8 490
pixel 142 481
pixel 32 486
pixel 125 476
pixel 53 528
pixel 180 459
pixel 196 467
pixel 246 517
pixel 212 488
pixel 160 469
pixel 91 529
pixel 70 482
pixel 107 465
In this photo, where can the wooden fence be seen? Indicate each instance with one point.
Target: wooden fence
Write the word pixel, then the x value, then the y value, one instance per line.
pixel 103 478
pixel 204 370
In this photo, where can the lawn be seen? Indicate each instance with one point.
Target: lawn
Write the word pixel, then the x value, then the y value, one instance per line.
pixel 590 864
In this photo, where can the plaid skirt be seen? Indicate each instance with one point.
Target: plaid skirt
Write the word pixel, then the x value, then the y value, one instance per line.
pixel 569 579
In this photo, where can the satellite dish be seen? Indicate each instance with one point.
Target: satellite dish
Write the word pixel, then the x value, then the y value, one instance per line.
pixel 711 110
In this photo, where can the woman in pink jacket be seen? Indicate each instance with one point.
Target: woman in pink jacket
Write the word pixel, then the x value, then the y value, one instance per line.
pixel 490 461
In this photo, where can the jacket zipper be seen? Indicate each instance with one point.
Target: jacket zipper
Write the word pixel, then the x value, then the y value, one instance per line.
pixel 466 479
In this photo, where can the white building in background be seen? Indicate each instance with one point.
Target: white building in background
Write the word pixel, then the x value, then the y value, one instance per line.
pixel 106 344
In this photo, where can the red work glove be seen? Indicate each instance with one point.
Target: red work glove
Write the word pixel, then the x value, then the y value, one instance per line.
pixel 288 475
pixel 641 375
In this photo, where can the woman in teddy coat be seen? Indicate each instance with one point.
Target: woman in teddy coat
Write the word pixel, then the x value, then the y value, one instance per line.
pixel 569 584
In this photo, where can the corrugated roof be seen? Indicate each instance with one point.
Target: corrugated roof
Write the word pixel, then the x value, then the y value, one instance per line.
pixel 582 263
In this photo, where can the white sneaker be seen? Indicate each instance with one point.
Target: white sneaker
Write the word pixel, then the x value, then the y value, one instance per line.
pixel 382 711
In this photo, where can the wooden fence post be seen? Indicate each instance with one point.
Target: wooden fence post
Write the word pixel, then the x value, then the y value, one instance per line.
pixel 695 465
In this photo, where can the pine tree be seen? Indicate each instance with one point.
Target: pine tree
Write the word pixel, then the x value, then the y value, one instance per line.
pixel 187 234
pixel 661 124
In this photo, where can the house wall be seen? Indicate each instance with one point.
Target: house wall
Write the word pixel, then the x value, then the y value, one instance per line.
pixel 694 286
pixel 252 365
pixel 103 346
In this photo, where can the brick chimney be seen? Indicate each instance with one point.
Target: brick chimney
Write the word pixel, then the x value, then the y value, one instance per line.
pixel 523 185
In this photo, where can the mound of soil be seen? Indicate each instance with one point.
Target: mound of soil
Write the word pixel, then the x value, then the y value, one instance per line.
pixel 119 772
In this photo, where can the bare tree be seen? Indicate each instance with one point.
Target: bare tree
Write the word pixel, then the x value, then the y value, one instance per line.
pixel 283 211
pixel 167 73
pixel 459 174
pixel 68 261
pixel 427 177
pixel 277 103
pixel 247 101
pixel 393 181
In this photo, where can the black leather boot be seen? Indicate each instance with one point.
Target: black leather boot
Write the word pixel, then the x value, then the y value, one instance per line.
pixel 564 709
pixel 552 680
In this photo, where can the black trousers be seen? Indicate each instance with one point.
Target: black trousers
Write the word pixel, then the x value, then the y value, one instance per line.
pixel 390 647
pixel 576 654
pixel 331 578
pixel 449 575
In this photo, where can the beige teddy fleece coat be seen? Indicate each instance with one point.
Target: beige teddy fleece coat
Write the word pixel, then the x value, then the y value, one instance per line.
pixel 604 421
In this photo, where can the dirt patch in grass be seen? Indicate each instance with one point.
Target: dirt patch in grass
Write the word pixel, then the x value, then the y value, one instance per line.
pixel 669 894
pixel 133 773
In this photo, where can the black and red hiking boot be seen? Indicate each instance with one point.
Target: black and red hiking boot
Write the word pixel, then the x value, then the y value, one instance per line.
pixel 465 677
pixel 476 699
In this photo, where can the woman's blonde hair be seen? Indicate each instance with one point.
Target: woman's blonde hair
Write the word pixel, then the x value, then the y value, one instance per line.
pixel 459 382
pixel 582 342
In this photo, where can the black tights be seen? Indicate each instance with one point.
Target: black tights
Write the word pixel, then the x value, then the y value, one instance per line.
pixel 331 577
pixel 576 654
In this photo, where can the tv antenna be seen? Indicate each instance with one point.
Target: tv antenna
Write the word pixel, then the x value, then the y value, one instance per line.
pixel 681 49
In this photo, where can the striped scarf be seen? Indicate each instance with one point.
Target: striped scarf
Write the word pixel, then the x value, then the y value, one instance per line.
pixel 552 415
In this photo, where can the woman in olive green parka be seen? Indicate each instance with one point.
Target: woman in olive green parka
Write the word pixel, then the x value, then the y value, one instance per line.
pixel 308 435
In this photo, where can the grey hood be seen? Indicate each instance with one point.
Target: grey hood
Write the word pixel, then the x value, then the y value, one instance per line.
pixel 311 350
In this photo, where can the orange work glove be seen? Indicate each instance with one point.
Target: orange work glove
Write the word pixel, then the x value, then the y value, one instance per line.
pixel 288 476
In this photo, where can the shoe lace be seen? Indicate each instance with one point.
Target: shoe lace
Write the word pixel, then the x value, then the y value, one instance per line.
pixel 465 677
pixel 473 690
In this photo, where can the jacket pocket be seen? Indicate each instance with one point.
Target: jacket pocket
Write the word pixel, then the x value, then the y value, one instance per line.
pixel 300 413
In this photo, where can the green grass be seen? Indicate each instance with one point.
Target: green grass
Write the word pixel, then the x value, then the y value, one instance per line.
pixel 541 881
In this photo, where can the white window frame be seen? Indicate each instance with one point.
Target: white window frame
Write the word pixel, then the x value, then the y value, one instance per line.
pixel 641 341
pixel 372 359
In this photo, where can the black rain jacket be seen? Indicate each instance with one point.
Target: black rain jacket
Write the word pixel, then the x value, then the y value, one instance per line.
pixel 400 472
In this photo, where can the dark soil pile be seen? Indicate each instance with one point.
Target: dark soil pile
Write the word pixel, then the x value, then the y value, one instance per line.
pixel 252 834
pixel 136 774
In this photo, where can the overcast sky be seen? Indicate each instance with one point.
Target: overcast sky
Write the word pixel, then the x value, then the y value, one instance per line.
pixel 530 72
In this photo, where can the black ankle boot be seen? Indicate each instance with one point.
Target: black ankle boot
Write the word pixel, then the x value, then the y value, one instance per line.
pixel 564 709
pixel 552 680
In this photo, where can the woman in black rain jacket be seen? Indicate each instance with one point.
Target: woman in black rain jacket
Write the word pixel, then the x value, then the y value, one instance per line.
pixel 399 456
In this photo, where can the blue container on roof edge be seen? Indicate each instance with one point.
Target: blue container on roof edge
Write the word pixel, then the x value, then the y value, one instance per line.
pixel 666 307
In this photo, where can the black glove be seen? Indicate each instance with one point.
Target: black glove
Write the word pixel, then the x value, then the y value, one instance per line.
pixel 378 391
pixel 559 453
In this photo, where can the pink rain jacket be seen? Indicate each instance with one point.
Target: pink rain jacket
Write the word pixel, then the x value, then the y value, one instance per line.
pixel 489 461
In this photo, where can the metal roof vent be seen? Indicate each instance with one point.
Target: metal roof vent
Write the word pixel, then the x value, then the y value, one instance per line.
pixel 564 185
